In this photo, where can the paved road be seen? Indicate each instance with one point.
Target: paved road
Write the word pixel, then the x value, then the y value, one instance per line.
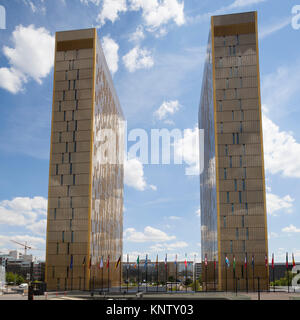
pixel 13 297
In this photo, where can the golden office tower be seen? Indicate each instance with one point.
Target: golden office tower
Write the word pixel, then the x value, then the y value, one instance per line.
pixel 85 202
pixel 233 200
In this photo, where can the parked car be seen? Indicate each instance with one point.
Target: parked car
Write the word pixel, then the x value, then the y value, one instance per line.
pixel 23 286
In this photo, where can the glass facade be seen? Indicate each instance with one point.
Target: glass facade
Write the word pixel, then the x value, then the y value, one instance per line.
pixel 233 138
pixel 85 201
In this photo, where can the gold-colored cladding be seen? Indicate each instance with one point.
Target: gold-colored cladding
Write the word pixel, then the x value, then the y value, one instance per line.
pixel 74 181
pixel 249 94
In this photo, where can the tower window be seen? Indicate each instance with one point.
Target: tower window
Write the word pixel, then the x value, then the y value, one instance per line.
pixel 225 174
pixel 240 197
pixel 227 197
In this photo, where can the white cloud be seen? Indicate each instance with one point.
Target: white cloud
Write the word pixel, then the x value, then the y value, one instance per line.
pixel 134 174
pixel 38 227
pixel 110 10
pixel 138 35
pixel 275 203
pixel 168 107
pixel 273 235
pixel 174 218
pixel 110 48
pixel 291 229
pixel 11 80
pixel 198 212
pixel 160 247
pixel 188 148
pixel 268 30
pixel 31 57
pixel 22 211
pixel 281 150
pixel 244 3
pixel 87 2
pixel 159 13
pixel 138 58
pixel 154 188
pixel 150 234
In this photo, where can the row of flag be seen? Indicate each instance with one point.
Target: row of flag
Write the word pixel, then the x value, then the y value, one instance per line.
pixel 227 262
pixel 101 264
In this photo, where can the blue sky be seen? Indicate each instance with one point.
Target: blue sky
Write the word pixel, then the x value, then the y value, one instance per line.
pixel 155 51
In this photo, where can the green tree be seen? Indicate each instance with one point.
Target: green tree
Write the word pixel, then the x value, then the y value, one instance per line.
pixel 15 278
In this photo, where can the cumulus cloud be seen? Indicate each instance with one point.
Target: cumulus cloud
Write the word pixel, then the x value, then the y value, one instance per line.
pixel 87 2
pixel 138 58
pixel 163 247
pixel 291 229
pixel 22 211
pixel 158 13
pixel 134 174
pixel 110 48
pixel 149 234
pixel 31 57
pixel 167 107
pixel 138 35
pixel 275 203
pixel 188 148
pixel 110 10
pixel 281 150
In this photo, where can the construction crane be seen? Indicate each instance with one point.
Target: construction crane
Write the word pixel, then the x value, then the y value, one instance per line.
pixel 26 247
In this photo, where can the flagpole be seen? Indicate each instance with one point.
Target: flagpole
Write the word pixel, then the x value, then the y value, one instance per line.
pixel 214 274
pixel 246 266
pixel 120 275
pixel 253 264
pixel 176 273
pixel 146 271
pixel 157 273
pixel 273 273
pixel 138 274
pixel 108 275
pixel 166 273
pixel 127 268
pixel 287 269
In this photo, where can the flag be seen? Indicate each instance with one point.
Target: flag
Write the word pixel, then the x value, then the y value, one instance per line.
pixel 294 264
pixel 175 262
pixel 83 262
pixel 287 260
pixel 71 262
pixel 245 262
pixel 205 260
pixel 272 260
pixel 166 261
pixel 266 261
pixel 233 265
pixel 215 263
pixel 107 264
pixel 117 263
pixel 156 263
pixel 127 262
pixel 101 263
pixel 185 262
pixel 227 262
pixel 90 263
pixel 253 261
pixel 146 261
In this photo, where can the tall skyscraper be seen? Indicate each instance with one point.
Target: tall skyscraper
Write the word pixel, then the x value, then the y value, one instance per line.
pixel 85 202
pixel 233 200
